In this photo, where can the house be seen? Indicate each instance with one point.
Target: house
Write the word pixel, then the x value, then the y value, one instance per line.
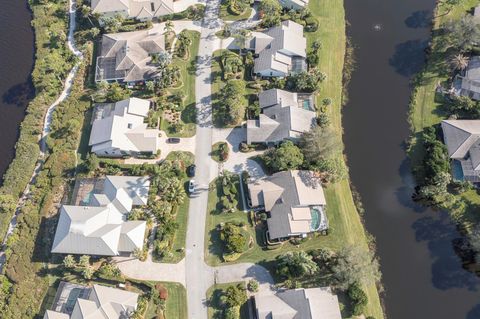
pixel 101 228
pixel 469 83
pixel 283 116
pixel 462 138
pixel 137 9
pixel 279 51
pixel 127 56
pixel 294 203
pixel 118 129
pixel 312 303
pixel 294 4
pixel 97 302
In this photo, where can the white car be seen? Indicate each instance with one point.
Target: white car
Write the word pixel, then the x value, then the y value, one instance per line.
pixel 191 186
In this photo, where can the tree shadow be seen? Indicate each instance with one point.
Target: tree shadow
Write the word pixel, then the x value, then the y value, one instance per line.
pixel 419 19
pixel 440 234
pixel 409 56
pixel 19 94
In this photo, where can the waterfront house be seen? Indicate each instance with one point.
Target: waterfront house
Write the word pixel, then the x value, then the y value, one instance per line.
pixel 312 303
pixel 118 129
pixel 468 84
pixel 462 138
pixel 128 56
pixel 73 301
pixel 294 202
pixel 137 9
pixel 284 115
pixel 279 51
pixel 101 228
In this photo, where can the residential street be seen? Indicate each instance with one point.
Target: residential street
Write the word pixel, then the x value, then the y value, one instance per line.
pixel 193 272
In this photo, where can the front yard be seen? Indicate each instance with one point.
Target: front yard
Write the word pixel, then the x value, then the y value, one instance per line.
pixel 188 111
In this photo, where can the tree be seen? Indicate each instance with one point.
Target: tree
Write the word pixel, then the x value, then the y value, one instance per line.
pixel 359 299
pixel 8 204
pixel 305 81
pixel 84 261
pixel 69 262
pixel 232 101
pixel 233 238
pixel 270 11
pixel 87 272
pixel 92 163
pixel 253 285
pixel 117 93
pixel 459 62
pixel 462 34
pixel 286 157
pixel 319 143
pixel 113 24
pixel 295 264
pixel 150 86
pixel 355 264
pixel 241 37
pixel 168 26
pixel 172 191
pixel 235 296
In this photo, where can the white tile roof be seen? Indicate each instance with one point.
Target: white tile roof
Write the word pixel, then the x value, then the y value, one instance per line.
pixel 124 128
pixel 102 230
pixel 134 8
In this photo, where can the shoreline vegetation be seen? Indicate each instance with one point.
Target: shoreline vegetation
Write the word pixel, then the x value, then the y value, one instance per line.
pixel 28 259
pixel 428 108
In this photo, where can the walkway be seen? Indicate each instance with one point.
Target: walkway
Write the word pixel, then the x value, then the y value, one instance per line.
pixel 46 127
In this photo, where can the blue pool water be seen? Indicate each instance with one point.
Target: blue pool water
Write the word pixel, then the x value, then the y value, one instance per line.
pixel 457 171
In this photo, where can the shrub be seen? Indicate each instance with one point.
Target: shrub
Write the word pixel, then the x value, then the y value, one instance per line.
pixel 232 313
pixel 252 285
pixel 235 296
pixel 359 299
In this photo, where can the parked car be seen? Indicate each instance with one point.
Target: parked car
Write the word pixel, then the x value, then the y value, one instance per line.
pixel 173 140
pixel 191 170
pixel 191 186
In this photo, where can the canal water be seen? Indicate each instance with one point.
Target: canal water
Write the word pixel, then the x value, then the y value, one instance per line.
pixel 16 62
pixel 422 275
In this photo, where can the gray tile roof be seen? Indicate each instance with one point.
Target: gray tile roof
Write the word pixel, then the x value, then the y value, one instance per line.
pixel 282 118
pixel 312 303
pixel 282 194
pixel 276 49
pixel 126 56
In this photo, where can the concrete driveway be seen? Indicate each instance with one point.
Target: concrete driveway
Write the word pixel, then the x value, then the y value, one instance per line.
pixel 237 161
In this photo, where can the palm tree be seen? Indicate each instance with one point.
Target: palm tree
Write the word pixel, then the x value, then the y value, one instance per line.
pixel 459 62
pixel 296 264
pixel 168 26
pixel 173 191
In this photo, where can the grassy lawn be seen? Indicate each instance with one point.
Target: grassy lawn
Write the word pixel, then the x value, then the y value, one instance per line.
pixel 426 107
pixel 215 310
pixel 176 304
pixel 216 151
pixel 346 225
pixel 178 253
pixel 227 15
pixel 187 69
pixel 218 82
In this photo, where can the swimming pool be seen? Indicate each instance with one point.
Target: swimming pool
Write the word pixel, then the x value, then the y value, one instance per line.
pixel 319 219
pixel 457 172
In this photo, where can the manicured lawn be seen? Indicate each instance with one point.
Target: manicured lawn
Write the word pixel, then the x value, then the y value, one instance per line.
pixel 187 69
pixel 227 15
pixel 182 214
pixel 426 108
pixel 215 309
pixel 176 304
pixel 346 225
pixel 218 82
pixel 216 151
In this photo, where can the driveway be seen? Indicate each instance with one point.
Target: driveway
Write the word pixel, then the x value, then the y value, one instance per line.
pixel 149 270
pixel 187 144
pixel 237 161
